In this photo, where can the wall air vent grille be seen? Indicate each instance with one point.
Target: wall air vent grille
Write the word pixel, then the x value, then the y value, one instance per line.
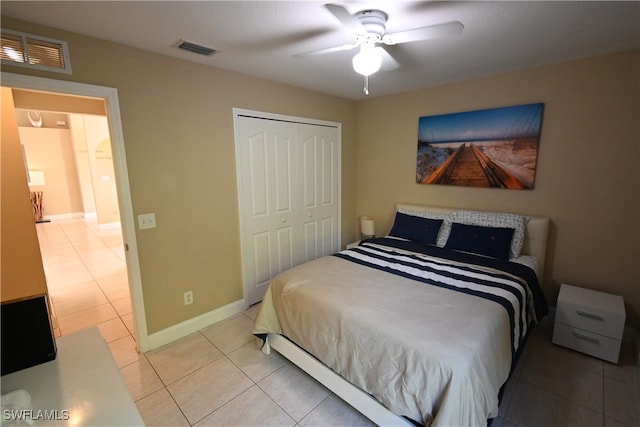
pixel 196 48
pixel 32 51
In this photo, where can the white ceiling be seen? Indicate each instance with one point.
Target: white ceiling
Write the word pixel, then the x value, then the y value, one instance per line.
pixel 259 38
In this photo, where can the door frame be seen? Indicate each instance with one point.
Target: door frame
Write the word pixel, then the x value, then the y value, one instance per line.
pixel 110 97
pixel 237 112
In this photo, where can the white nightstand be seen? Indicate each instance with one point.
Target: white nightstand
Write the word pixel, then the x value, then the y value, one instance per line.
pixel 589 321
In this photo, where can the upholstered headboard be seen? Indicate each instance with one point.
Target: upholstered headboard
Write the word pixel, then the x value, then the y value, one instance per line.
pixel 535 241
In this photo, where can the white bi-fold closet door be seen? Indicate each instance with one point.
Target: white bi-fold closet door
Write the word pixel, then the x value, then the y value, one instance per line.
pixel 289 193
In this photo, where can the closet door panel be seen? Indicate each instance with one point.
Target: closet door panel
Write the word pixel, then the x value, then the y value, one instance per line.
pixel 261 259
pixel 283 173
pixel 328 243
pixel 257 174
pixel 310 241
pixel 321 189
pixel 327 173
pixel 284 249
pixel 288 182
pixel 308 171
pixel 265 173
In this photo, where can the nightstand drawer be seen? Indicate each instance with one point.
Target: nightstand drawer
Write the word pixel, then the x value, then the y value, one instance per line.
pixel 586 342
pixel 592 311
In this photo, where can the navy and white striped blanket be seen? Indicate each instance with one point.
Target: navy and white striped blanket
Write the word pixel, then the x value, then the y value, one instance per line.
pixel 512 286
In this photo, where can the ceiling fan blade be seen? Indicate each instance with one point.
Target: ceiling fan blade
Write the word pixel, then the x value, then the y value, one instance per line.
pixel 327 50
pixel 348 20
pixel 389 63
pixel 424 33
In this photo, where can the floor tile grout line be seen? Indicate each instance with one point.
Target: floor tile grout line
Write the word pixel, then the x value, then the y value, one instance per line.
pixel 226 356
pixel 513 392
pixel 88 229
pixel 104 243
pixel 79 258
pixel 172 398
pixel 166 385
pixel 320 403
pixel 253 382
pixel 256 383
pixel 199 368
pixel 276 403
pixel 189 372
pixel 69 243
pixel 221 406
pixel 286 412
pixel 153 368
pixel 537 387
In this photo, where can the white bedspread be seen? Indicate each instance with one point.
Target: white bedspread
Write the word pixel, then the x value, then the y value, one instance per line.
pixel 436 356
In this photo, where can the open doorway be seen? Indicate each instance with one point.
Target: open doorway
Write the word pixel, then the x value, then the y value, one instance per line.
pixel 126 232
pixel 72 179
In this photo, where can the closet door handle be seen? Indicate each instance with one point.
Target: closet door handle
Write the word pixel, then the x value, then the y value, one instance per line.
pixel 590 315
pixel 284 220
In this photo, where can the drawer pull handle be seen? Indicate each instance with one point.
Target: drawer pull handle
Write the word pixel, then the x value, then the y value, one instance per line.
pixel 586 337
pixel 590 315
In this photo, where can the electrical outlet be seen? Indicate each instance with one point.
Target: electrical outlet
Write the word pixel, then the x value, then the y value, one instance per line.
pixel 146 221
pixel 188 298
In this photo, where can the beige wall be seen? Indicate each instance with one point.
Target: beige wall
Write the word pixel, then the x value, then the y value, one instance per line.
pixel 588 174
pixel 81 151
pixel 51 102
pixel 100 157
pixel 21 270
pixel 51 151
pixel 178 131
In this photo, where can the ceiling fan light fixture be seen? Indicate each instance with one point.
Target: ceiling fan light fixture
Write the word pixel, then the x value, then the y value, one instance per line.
pixel 367 61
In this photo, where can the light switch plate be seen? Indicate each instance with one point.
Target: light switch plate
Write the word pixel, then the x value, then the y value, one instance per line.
pixel 146 221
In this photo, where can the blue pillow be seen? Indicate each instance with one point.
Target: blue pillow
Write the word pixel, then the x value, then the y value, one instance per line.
pixel 490 241
pixel 419 229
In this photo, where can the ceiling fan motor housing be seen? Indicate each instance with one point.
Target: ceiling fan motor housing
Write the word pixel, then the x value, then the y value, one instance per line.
pixel 373 21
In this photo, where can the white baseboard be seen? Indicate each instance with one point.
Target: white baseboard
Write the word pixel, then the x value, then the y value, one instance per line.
pixel 88 216
pixel 71 215
pixel 172 333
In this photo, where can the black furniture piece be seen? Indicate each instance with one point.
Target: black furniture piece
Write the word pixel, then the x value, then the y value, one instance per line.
pixel 27 335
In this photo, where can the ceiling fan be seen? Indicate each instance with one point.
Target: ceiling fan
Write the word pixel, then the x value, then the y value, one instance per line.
pixel 369 29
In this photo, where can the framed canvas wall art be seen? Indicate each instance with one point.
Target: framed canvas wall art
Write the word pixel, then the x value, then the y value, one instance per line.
pixel 486 148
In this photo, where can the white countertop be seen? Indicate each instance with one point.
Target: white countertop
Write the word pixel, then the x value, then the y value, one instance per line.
pixel 81 387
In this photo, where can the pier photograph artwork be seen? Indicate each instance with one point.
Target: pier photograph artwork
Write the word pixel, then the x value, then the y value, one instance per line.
pixel 486 148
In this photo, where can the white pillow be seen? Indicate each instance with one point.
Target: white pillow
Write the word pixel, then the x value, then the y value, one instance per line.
pixel 489 219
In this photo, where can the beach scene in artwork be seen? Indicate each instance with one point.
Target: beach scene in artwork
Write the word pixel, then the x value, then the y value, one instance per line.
pixel 487 148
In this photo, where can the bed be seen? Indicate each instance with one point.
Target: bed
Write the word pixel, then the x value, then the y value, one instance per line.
pixel 422 326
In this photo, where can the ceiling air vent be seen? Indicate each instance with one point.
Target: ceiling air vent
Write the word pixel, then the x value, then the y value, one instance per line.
pixel 196 48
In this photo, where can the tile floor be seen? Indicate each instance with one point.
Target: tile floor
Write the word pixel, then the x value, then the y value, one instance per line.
pixel 87 277
pixel 218 376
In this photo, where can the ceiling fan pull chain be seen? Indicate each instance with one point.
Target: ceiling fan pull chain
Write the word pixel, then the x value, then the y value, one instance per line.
pixel 366 85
